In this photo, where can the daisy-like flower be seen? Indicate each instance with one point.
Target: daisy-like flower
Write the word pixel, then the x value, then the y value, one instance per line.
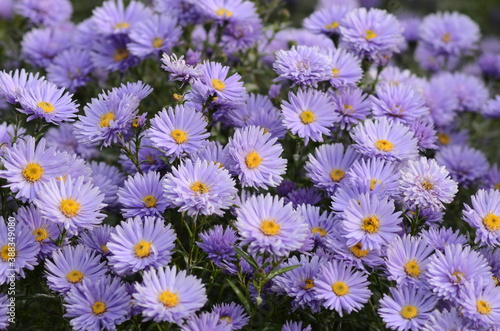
pixel 45 100
pixel 448 272
pixel 449 33
pixel 199 187
pixel 165 295
pixel 71 68
pixel 111 54
pixel 232 313
pixel 256 157
pixel 214 152
pixel 408 307
pixel 179 131
pixel 480 302
pixel 492 107
pixel 386 139
pixel 308 114
pixel 342 287
pixel 378 174
pixel 18 253
pixel 226 11
pixel 448 319
pixel 399 103
pixel 303 65
pixel 424 131
pixel 352 106
pixel 215 78
pixel 63 139
pixel 4 309
pixel 113 18
pixel 179 69
pixel 28 166
pixel 295 326
pixel 48 12
pixel 374 34
pixel 424 184
pixel 12 84
pixel 329 165
pixel 73 203
pixel 185 11
pixel 304 195
pixel 407 259
pixel 441 100
pixel 108 179
pixel 218 243
pixel 372 221
pixel 56 39
pixel 327 20
pixel 97 238
pixel 71 265
pixel 267 225
pixel 465 164
pixel 484 216
pixel 442 237
pixel 346 70
pixel 158 34
pixel 471 92
pixel 394 76
pixel 142 195
pixel 320 224
pixel 206 321
pixel 141 243
pixel 97 305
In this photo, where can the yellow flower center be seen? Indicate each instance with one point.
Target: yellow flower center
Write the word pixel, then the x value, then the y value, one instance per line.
pixel 340 288
pixel 74 277
pixel 321 231
pixel 307 117
pixel 104 248
pixel 492 222
pixel 332 26
pixel 105 119
pixel 157 42
pixel 443 138
pixel 253 159
pixel 458 276
pixel 69 207
pixel 226 319
pixel 223 12
pixel 358 251
pixel 32 172
pixel 7 254
pixel 348 109
pixel 496 281
pixel 446 38
pixel 120 54
pixel 149 200
pixel 409 312
pixel 200 188
pixel 46 107
pixel 218 84
pixel 337 175
pixel 335 72
pixel 309 284
pixel 270 227
pixel 497 186
pixel 62 178
pixel 370 34
pixel 370 224
pixel 98 307
pixel 179 136
pixel 384 145
pixel 374 182
pixel 427 185
pixel 178 97
pixel 40 234
pixel 169 299
pixel 143 249
pixel 122 25
pixel 412 269
pixel 135 123
pixel 483 307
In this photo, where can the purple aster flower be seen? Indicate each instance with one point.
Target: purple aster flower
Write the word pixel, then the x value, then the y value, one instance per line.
pixel 114 18
pixel 218 243
pixel 226 11
pixel 448 319
pixel 285 187
pixel 307 195
pixel 386 139
pixel 71 265
pixel 407 307
pixel 303 65
pixel 165 295
pixel 12 84
pixel 449 33
pixel 449 136
pixel 106 118
pixel 299 283
pixel 4 309
pixel 492 179
pixel 327 20
pixel 424 131
pixel 178 131
pixel 44 231
pixel 142 195
pixel 214 152
pixel 137 89
pixel 179 70
pixel 73 203
pixel 443 237
pixel 407 259
pixel 394 76
pixel 492 255
pixel 70 69
pixel 489 64
pixel 448 272
pixel 7 133
pixel 471 92
pixel 373 34
pixel 400 103
pixel 159 33
pixel 424 184
pixel 55 40
pixel 378 174
pixel 441 100
pixel 47 12
pixel 29 166
pixel 466 165
pixel 206 321
pixel 256 156
pixel 141 244
pixel 111 54
pixel 18 253
pixel 295 326
pixel 184 10
pixel 411 24
pixel 480 303
pixel 45 100
pixel 484 216
pixel 108 179
pixel 267 225
pixel 492 108
pixel 232 313
pixel 351 105
pixel 215 78
pixel 371 222
pixel 63 139
pixel 308 114
pixel 76 167
pixel 329 165
pixel 346 68
pixel 342 287
pixel 97 238
pixel 199 187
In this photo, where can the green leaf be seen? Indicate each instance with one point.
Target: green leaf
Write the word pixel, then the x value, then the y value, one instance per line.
pixel 243 299
pixel 246 257
pixel 280 271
